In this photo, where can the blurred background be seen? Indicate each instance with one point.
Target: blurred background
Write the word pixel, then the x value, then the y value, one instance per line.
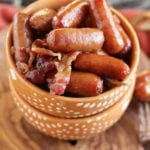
pixel 117 3
pixel 131 9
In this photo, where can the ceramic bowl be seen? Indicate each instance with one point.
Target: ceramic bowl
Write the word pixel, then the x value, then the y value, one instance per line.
pixel 73 129
pixel 70 107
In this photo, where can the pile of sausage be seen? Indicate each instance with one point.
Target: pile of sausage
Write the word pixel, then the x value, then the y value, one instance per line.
pixel 73 50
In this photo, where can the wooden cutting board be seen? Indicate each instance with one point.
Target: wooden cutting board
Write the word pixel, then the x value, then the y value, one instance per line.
pixel 17 134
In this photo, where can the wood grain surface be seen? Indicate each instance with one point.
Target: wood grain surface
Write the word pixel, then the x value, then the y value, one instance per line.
pixel 17 134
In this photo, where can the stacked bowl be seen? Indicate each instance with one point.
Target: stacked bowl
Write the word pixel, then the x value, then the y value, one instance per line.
pixel 67 117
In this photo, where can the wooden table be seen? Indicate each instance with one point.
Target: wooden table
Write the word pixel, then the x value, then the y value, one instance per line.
pixel 17 134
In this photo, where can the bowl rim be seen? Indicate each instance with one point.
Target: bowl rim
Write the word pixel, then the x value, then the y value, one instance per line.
pixel 134 63
pixel 123 100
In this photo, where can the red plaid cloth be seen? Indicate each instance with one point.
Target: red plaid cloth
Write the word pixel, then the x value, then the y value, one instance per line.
pixel 144 37
pixel 6 14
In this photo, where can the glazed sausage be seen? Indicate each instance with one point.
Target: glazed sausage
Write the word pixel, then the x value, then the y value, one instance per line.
pixel 104 20
pixel 85 84
pixel 102 65
pixel 71 15
pixel 69 40
pixel 126 39
pixel 41 20
pixel 21 37
pixel 142 88
pixel 142 91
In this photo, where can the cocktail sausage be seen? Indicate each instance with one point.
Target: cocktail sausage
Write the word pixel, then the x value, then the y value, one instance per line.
pixel 41 20
pixel 104 20
pixel 71 16
pixel 67 40
pixel 102 65
pixel 84 84
pixel 21 37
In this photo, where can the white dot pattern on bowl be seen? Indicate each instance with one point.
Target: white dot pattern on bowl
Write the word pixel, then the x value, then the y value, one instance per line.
pixel 78 133
pixel 95 124
pixel 29 111
pixel 64 108
pixel 28 97
pixel 99 104
pixel 87 105
pixel 58 111
pixel 55 107
pixel 51 104
pixel 83 126
pixel 89 121
pixel 36 122
pixel 35 94
pixel 66 124
pixel 88 114
pixel 57 104
pixel 58 108
pixel 45 98
pixel 65 132
pixel 34 99
pixel 92 105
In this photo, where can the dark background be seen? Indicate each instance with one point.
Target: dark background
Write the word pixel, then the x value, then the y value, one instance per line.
pixel 116 3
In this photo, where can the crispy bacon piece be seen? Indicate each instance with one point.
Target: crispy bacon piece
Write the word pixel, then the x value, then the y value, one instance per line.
pixel 36 76
pixel 32 57
pixel 62 77
pixel 22 67
pixel 44 64
pixel 38 47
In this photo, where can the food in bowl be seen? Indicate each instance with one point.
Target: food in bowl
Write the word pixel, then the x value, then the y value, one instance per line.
pixel 142 88
pixel 73 50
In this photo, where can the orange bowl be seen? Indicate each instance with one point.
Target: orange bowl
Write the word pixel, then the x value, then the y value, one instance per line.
pixel 73 129
pixel 70 107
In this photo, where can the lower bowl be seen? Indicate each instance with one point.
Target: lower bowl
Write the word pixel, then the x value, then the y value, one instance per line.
pixel 73 129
